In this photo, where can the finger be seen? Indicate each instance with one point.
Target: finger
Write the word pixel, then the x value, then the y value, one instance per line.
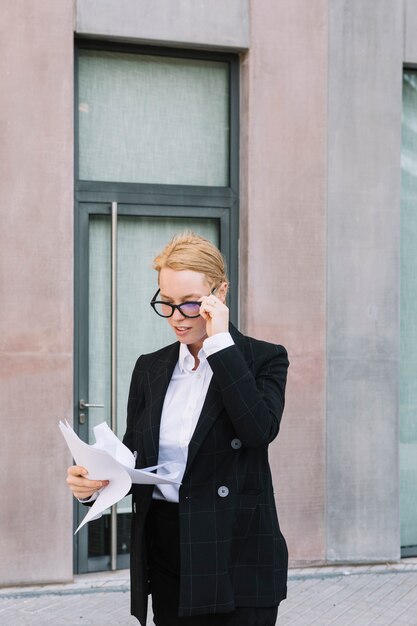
pixel 77 470
pixel 94 485
pixel 209 301
pixel 83 493
pixel 205 312
pixel 209 308
pixel 211 298
pixel 214 301
pixel 77 476
pixel 86 483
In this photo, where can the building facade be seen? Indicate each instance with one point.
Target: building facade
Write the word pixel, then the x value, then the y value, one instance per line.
pixel 285 131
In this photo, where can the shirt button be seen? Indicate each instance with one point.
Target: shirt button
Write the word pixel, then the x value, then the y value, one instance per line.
pixel 236 444
pixel 223 492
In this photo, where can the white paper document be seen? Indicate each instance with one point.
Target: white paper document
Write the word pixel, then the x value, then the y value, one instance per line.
pixel 109 459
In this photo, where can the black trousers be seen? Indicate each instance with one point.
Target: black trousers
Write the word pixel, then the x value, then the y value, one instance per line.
pixel 164 573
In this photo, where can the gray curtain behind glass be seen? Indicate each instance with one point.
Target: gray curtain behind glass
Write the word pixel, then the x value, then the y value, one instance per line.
pixel 151 119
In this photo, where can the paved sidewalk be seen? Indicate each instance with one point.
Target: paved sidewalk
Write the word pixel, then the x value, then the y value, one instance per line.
pixel 342 596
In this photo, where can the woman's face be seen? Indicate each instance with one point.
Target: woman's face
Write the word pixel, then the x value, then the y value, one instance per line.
pixel 184 286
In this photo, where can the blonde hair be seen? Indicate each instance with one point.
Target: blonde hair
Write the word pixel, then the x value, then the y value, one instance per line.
pixel 188 251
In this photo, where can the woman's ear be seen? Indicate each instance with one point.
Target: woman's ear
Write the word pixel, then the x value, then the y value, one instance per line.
pixel 221 292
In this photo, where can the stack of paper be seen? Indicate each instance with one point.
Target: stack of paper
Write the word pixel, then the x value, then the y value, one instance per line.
pixel 109 459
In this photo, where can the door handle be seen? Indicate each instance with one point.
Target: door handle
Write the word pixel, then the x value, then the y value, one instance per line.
pixel 86 405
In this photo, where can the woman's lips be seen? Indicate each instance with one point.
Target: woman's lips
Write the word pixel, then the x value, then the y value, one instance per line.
pixel 182 330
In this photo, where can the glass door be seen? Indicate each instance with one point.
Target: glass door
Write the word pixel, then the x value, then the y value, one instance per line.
pixel 116 325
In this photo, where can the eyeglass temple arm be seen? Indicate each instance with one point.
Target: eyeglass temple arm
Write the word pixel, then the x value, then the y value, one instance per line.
pixel 154 298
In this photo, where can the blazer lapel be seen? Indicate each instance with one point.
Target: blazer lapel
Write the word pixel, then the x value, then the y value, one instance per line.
pixel 213 404
pixel 159 376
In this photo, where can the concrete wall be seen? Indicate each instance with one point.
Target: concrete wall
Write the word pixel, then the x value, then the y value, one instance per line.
pixel 283 242
pixel 364 142
pixel 191 23
pixel 320 146
pixel 36 260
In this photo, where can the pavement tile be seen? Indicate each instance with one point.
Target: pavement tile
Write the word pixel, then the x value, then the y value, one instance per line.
pixel 377 595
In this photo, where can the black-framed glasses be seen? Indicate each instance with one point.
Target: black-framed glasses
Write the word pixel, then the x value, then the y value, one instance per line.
pixel 166 309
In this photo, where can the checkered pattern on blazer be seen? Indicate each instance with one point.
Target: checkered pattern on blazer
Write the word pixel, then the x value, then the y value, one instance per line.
pixel 232 550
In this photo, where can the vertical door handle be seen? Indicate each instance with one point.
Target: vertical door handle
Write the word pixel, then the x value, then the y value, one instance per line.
pixel 113 404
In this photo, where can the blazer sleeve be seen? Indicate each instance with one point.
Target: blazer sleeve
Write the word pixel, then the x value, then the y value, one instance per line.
pixel 253 399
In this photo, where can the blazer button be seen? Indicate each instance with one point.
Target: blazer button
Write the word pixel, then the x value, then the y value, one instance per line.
pixel 223 492
pixel 236 444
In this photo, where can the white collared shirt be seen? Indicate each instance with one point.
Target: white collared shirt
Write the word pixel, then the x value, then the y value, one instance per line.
pixel 183 402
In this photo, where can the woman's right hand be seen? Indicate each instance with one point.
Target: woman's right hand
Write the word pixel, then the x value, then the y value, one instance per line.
pixel 81 486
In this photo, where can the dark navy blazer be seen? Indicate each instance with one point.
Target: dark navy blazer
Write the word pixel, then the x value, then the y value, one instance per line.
pixel 232 550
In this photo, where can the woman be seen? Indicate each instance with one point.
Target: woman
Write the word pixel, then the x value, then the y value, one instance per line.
pixel 210 550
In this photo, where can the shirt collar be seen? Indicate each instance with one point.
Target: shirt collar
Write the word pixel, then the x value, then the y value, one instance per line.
pixel 186 360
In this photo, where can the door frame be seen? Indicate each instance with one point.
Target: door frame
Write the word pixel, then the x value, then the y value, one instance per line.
pixel 127 207
pixel 152 200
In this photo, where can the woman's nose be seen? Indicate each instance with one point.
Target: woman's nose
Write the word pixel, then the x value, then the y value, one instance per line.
pixel 178 315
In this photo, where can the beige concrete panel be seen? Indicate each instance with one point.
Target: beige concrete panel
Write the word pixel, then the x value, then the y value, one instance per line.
pixel 36 523
pixel 191 23
pixel 36 260
pixel 283 241
pixel 297 463
pixel 410 28
pixel 363 276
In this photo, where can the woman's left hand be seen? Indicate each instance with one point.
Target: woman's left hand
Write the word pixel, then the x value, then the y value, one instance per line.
pixel 216 314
